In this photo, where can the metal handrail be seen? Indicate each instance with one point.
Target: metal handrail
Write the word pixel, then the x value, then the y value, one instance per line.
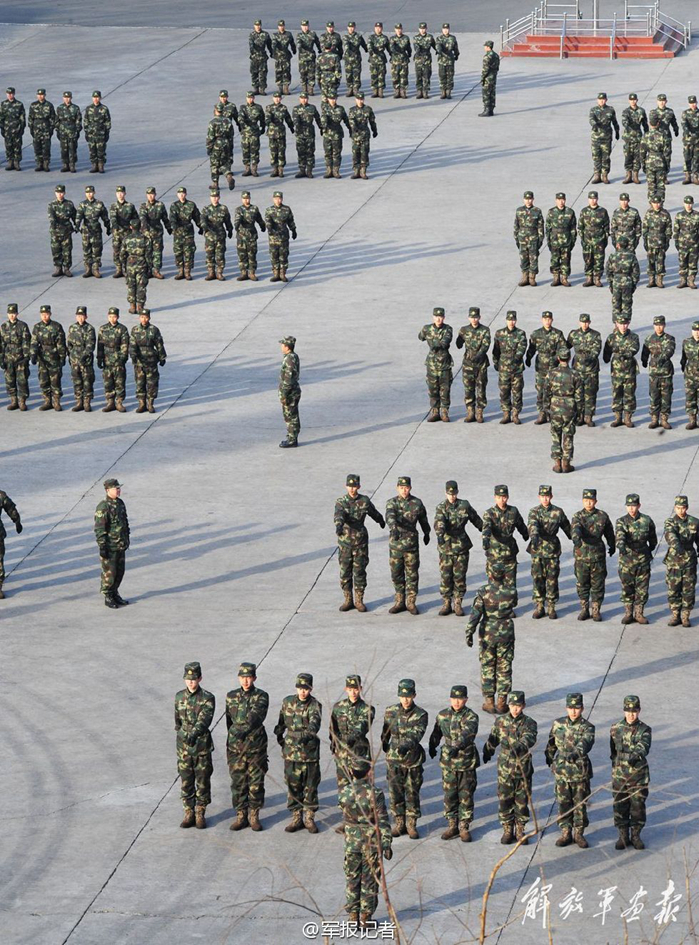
pixel 612 38
pixel 563 34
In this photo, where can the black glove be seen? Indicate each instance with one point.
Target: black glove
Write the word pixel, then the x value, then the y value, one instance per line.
pixel 577 544
pixel 636 760
pixel 191 739
pixel 382 523
pixel 385 744
pixel 280 740
pixel 549 758
pixel 201 232
pixel 294 235
pixel 2 365
pixel 339 529
pixel 103 551
pixel 388 854
pixel 469 640
pixel 374 134
pixel 33 359
pixel 19 527
pixel 426 539
pixel 307 738
pixel 108 230
pixel 573 756
pixel 518 750
pixel 488 753
pixel 432 750
pixel 403 749
pixel 351 740
pixel 162 363
pixel 611 552
pixel 616 135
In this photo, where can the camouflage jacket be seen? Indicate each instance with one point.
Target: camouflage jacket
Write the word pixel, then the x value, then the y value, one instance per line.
pixel 334 41
pixel 329 67
pixel 402 732
pixel 307 43
pixel 593 226
pixel 399 48
pixel 475 342
pixel 450 521
pixel 423 46
pixel 623 269
pixel 657 229
pixel 10 509
pixel 686 230
pixel 252 119
pixel 220 135
pixel 153 217
pixel 303 118
pixel 365 816
pixel 626 223
pixel 246 221
pixel 48 343
pixel 459 730
pixel 245 720
pixel 217 221
pixel 277 117
pixel 544 525
pixel 492 613
pixel 97 122
pixel 629 746
pixel 402 518
pixel 447 49
pixel 586 347
pixel 544 344
pixel 657 354
pixel 92 214
pixel 602 120
pixel 260 44
pixel 634 121
pixel 349 729
pixel 194 713
pixel 61 217
pixel 564 387
pixel 516 738
pixel 229 111
pixel 438 342
pixel 529 225
pixel 69 122
pixel 653 151
pixel 362 120
pixel 509 348
pixel 589 531
pixel 184 216
pixel 689 362
pixel 635 537
pixel 332 120
pixel 350 515
pixel 352 45
pixel 112 344
pixel 499 526
pixel 146 345
pixel 666 120
pixel 298 727
pixel 621 350
pixel 568 748
pixel 682 539
pixel 280 222
pixel 290 373
pixel 690 123
pixel 81 343
pixel 112 525
pixel 15 342
pixel 377 46
pixel 41 119
pixel 13 118
pixel 137 252
pixel 283 46
pixel 491 65
pixel 121 214
pixel 561 228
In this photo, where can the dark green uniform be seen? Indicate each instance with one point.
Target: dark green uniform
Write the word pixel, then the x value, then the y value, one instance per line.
pixel 489 78
pixel 450 521
pixel 439 366
pixel 41 121
pixel 349 736
pixel 48 352
pixel 682 539
pixel 593 227
pixel 15 351
pixel 509 348
pixel 252 127
pixel 423 44
pixel 516 737
pixel 121 213
pixel 403 730
pixel 690 143
pixel 499 544
pixel 112 533
pixel 447 53
pixel 567 754
pixel 62 216
pixel 544 343
pixel 621 349
pixel 400 52
pixel 219 146
pixel 635 124
pixel 80 343
pixel 529 237
pixel 352 45
pixel 246 747
pixel 492 614
pixel 283 48
pixel 137 266
pixel 307 44
pixel 657 233
pixel 297 733
pixel 602 120
pixel 97 125
pixel 147 353
pixel 589 531
pixel 112 355
pixel 353 539
pixel 10 509
pixel 458 760
pixel 260 51
pixel 474 369
pixel 654 161
pixel 280 223
pixel 565 395
pixel 545 549
pixel 623 274
pixel 154 217
pixel 626 221
pixel 304 117
pixel 277 119
pixel 586 345
pixel 329 73
pixel 13 120
pixel 91 216
pixel 362 122
pixel 367 835
pixel 194 713
pixel 667 124
pixel 217 225
pixel 402 518
pixel 657 357
pixel 69 124
pixel 689 365
pixel 686 237
pixel 561 236
pixel 331 122
pixel 184 216
pixel 629 745
pixel 636 541
pixel 245 223
pixel 290 394
pixel 377 46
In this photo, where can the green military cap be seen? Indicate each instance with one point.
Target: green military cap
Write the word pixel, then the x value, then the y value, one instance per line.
pixel 633 97
pixel 10 90
pixel 659 320
pixel 528 194
pixel 120 189
pixel 113 310
pixel 360 768
pixel 150 190
pixel 574 700
pixel 633 499
pixel 438 310
pixel 144 311
pixel 281 23
pixel 332 96
pixel 304 680
pixel 245 193
pixel 354 681
pixel 682 500
pixel 359 95
pixel 67 95
pixel 113 484
pixel 60 189
pixel 12 308
pixel 452 486
pixel 257 23
pixel 288 340
pixel 563 353
pixel 516 697
pixel 45 308
pixel 631 703
pixel 474 312
pixel 622 319
pixel 351 23
pixel 560 195
pixel 622 240
pixel 41 91
pixel 379 24
pixel 589 494
pixel 89 189
pixel 584 317
pixel 691 99
pixel 406 687
pixel 547 314
pixel 97 94
pixel 223 92
pixel 545 490
pixel 303 94
pixel 662 97
pixel 219 108
pixel 214 189
pixel 511 316
pixel 398 26
pixel 304 23
pixel 489 42
pixel 445 26
pixel 624 197
pixel 656 198
pixel 278 193
pixel 250 94
pixel 135 223
pixel 459 692
pixel 330 23
pixel 592 194
pixel 192 670
pixel 601 95
pixel 689 199
pixel 352 479
pixel 404 481
pixel 247 669
pixel 181 190
pixel 278 94
pixel 695 326
pixel 501 490
pixel 81 310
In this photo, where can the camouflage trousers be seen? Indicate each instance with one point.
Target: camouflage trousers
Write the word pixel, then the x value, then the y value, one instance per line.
pixel 113 569
pixel 623 393
pixel 147 379
pixel 97 150
pixel 50 374
pixel 691 392
pixel 62 248
pixel 118 237
pixel 543 398
pixel 184 247
pixel 511 390
pixel 439 388
pixel 69 150
pixel 306 150
pixel 332 146
pixel 681 585
pixel 629 803
pixel 353 73
pixel 656 261
pixel 446 76
pixel 258 73
pixel 377 73
pixel 279 253
pixel 361 877
pixel 423 73
pixel 622 298
pixel 660 394
pixel 83 376
pixel 488 91
pixel 42 148
pixel 590 387
pixel 475 378
pixel 361 145
pixel 634 574
pixel 404 785
pixel 250 144
pixel 496 666
pixel 136 285
pixel 529 254
pixel 563 433
pixel 590 575
pixel 571 797
pixel 282 72
pixel 92 247
pixel 307 73
pixel 655 178
pixel 560 259
pixel 353 560
pixel 593 259
pixel 399 74
pixel 690 154
pixel 453 569
pixel 114 379
pixel 405 569
pixel 247 252
pixel 302 780
pixel 459 788
pixel 687 258
pixel 508 565
pixel 17 378
pixel 156 243
pixel 513 798
pixel 277 150
pixel 195 775
pixel 632 154
pixel 290 411
pixel 2 562
pixel 601 152
pixel 220 162
pixel 667 150
pixel 247 781
pixel 215 251
pixel 13 147
pixel 545 573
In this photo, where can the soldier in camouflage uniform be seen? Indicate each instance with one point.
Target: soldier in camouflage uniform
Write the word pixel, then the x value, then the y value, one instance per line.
pixel 80 344
pixel 635 124
pixel 121 213
pixel 623 274
pixel 516 733
pixel 350 721
pixel 217 225
pixel 97 126
pixel 184 216
pixel 561 235
pixel 147 353
pixel 307 42
pixel 439 363
pixel 567 754
pixel 377 47
pixel 450 520
pixel 276 118
pixel 447 53
pixel 245 222
pixel 544 342
pixel 492 615
pixel 654 159
pixel 602 121
pixel 545 521
pixel 657 233
pixel 303 116
pixel 458 759
pixel 565 394
pixel 279 220
pixel 229 109
pixel 594 236
pixel 489 78
pixel 590 528
pixel 500 522
pixel 260 45
pixel 91 216
pixel 656 355
pixel 509 348
pixel 529 237
pixel 153 216
pixel 686 237
pixel 136 264
pixel 400 51
pixel 219 146
pixel 350 513
pixel 41 121
pixel 48 351
pixel 15 351
pixel 629 743
pixel 112 534
pixel 636 541
pixel 586 345
pixel 10 509
pixel 297 734
pixel 252 127
pixel 112 355
pixel 475 340
pixel 423 44
pixel 404 725
pixel 246 748
pixel 329 72
pixel 682 540
pixel 403 514
pixel 194 713
pixel 621 348
pixel 331 121
pixel 352 45
pixel 689 365
pixel 332 40
pixel 290 391
pixel 667 123
pixel 62 215
pixel 283 48
pixel 626 221
pixel 690 141
pixel 69 124
pixel 13 120
pixel 361 121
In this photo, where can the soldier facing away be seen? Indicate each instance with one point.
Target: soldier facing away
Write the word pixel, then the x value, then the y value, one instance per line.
pixel 529 237
pixel 403 514
pixel 219 146
pixel 654 159
pixel 474 338
pixel 590 528
pixel 136 264
pixel 194 713
pixel 15 351
pixel 636 540
pixel 351 511
pixel 623 274
pixel 112 355
pixel 246 748
pixel 682 539
pixel 450 520
pixel 10 509
pixel 112 534
pixel 689 365
pixel 458 759
pixel 567 754
pixel 439 363
pixel 48 351
pixel 545 521
pixel 656 355
pixel 404 725
pixel 80 343
pixel 621 348
pixel 492 615
pixel 290 391
pixel 586 345
pixel 148 354
pixel 564 391
pixel 629 743
pixel 509 348
pixel 489 78
pixel 297 734
pixel 245 223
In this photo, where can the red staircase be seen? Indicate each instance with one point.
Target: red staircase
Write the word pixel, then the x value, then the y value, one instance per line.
pixel 595 47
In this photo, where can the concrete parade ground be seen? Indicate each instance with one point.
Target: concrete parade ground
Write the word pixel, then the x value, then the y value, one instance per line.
pixel 233 553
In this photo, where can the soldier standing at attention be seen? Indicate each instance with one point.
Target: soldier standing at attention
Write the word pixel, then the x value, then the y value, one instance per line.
pixel 81 343
pixel 629 743
pixel 91 216
pixel 621 348
pixel 489 78
pixel 15 351
pixel 277 118
pixel 303 116
pixel 297 734
pixel 351 511
pixel 217 225
pixel 686 237
pixel 290 391
pixel 62 215
pixel 112 355
pixel 307 42
pixel 153 216
pixel 194 713
pixel 689 365
pixel 112 535
pixel 69 124
pixel 500 522
pixel 623 274
pixel 475 340
pixel 147 353
pixel 219 146
pixel 657 233
pixel 404 725
pixel 636 540
pixel 10 509
pixel 121 213
pixel 690 141
pixel 561 234
pixel 545 521
pixel 48 351
pixel 361 121
pixel 403 514
pixel 13 120
pixel 184 216
pixel 136 264
pixel 635 124
pixel 245 222
pixel 400 51
pixel 352 45
pixel 42 123
pixel 654 159
pixel 252 127
pixel 492 615
pixel 350 721
pixel 246 748
pixel 283 48
pixel 509 348
pixel 626 221
pixel 458 759
pixel 594 236
pixel 377 46
pixel 567 754
pixel 602 120
pixel 590 528
pixel 450 520
pixel 656 355
pixel 544 342
pixel 260 51
pixel 529 237
pixel 280 222
pixel 682 539
pixel 439 363
pixel 97 125
pixel 667 122
pixel 331 122
pixel 447 53
pixel 423 44
pixel 586 345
